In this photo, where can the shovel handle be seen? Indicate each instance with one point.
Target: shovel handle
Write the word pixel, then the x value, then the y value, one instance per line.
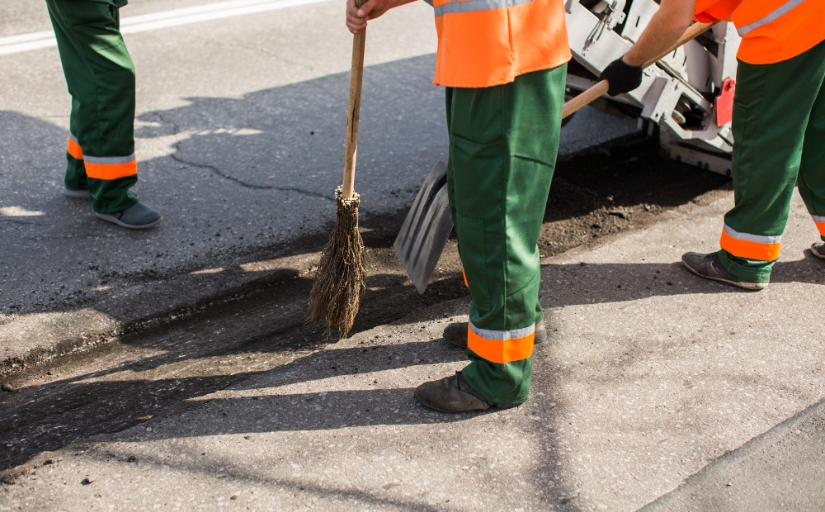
pixel 602 87
pixel 359 41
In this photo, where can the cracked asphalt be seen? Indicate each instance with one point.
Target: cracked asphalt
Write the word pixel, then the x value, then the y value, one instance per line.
pixel 656 390
pixel 200 386
pixel 240 132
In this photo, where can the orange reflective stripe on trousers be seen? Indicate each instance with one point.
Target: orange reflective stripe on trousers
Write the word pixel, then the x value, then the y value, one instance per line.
pixel 73 148
pixel 110 168
pixel 752 247
pixel 502 346
pixel 820 224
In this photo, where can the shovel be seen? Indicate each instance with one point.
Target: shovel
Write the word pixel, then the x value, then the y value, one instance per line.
pixel 428 224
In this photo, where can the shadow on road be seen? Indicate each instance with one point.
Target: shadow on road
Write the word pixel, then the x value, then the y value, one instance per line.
pixel 241 180
pixel 189 360
pixel 238 180
pixel 250 179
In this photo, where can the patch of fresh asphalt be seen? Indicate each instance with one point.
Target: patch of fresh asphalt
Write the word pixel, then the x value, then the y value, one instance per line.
pixel 239 141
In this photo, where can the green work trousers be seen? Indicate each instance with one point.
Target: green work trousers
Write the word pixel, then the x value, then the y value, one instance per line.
pixel 779 142
pixel 503 146
pixel 101 80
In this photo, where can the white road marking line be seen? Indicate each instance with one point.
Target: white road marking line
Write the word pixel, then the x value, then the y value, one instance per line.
pixel 23 38
pixel 25 47
pixel 143 23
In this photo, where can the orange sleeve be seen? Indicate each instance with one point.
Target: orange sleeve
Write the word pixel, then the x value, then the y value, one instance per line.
pixel 708 11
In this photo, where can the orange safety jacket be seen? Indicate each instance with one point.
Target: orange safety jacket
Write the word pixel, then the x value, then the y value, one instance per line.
pixel 482 43
pixel 772 30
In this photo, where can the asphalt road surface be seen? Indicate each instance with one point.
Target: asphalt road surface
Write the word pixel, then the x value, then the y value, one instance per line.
pixel 240 131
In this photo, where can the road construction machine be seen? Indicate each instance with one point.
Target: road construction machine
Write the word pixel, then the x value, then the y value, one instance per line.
pixel 686 99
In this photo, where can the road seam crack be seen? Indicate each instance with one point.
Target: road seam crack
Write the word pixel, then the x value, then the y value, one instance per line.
pixel 245 184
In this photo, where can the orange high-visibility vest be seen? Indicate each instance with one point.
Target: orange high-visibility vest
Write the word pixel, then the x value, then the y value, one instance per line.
pixel 482 43
pixel 772 30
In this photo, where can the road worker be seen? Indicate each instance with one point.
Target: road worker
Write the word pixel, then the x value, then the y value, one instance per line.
pixel 101 81
pixel 778 123
pixel 504 66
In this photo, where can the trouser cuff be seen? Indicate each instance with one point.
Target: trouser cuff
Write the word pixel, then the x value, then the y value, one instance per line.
pixel 755 271
pixel 499 383
pixel 110 196
pixel 75 177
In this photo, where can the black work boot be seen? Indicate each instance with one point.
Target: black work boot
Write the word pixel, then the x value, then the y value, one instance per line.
pixel 818 250
pixel 453 394
pixel 456 333
pixel 709 267
pixel 137 216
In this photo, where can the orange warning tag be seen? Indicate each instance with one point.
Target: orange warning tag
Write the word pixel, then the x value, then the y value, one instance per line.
pixel 723 105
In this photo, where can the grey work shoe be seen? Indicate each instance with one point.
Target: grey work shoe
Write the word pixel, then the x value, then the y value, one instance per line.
pixel 77 193
pixel 453 394
pixel 456 333
pixel 818 250
pixel 709 267
pixel 137 216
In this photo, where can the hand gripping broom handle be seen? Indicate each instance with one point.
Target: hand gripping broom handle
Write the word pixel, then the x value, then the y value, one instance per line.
pixel 356 76
pixel 602 87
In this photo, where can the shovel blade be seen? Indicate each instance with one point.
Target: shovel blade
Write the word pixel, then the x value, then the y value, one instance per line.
pixel 425 230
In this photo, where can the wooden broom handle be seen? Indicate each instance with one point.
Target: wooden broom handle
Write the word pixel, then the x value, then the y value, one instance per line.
pixel 601 88
pixel 354 109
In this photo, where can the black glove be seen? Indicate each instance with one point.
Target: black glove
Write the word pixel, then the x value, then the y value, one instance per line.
pixel 621 76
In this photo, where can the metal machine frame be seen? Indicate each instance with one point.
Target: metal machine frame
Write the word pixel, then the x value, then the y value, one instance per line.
pixel 677 94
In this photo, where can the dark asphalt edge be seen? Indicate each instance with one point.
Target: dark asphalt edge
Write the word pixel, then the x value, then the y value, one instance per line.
pixel 729 459
pixel 11 475
pixel 229 286
pixel 625 141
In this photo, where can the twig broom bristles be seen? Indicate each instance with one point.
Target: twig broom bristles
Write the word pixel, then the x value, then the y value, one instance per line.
pixel 340 282
pixel 341 278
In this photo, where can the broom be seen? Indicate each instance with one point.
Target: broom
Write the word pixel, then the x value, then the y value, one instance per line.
pixel 341 278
